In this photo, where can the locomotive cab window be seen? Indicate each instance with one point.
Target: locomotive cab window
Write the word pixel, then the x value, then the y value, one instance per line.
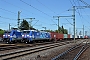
pixel 26 31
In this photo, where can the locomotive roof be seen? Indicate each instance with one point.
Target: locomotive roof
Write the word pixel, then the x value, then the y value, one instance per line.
pixel 29 30
pixel 36 31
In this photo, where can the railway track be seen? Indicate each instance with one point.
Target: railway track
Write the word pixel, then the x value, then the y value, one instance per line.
pixel 19 53
pixel 17 46
pixel 73 53
pixel 4 45
pixel 12 47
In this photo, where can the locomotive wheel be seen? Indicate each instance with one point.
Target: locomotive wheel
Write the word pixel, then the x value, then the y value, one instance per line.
pixel 7 42
pixel 26 42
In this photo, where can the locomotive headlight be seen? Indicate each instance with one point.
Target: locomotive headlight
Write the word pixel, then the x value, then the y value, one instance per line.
pixel 3 35
pixel 30 36
pixel 8 35
pixel 11 36
pixel 27 35
pixel 22 35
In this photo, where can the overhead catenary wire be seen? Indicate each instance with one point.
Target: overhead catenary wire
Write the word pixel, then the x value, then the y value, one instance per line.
pixel 11 4
pixel 8 11
pixel 19 7
pixel 84 2
pixel 16 7
pixel 46 7
pixel 37 9
pixel 1 22
pixel 34 8
pixel 71 2
pixel 7 18
pixel 74 2
pixel 82 15
pixel 27 10
pixel 49 8
pixel 69 22
pixel 86 19
pixel 41 10
pixel 78 10
pixel 13 12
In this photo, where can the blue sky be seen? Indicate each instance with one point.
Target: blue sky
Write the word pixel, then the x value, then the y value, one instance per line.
pixel 43 12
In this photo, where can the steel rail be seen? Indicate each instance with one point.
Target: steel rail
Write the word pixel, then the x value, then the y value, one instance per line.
pixel 27 51
pixel 80 52
pixel 69 50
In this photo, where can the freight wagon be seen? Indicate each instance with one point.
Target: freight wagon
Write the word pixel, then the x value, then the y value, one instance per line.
pixel 86 37
pixel 56 36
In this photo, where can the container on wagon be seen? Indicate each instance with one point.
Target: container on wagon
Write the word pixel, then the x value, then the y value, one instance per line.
pixel 80 36
pixel 68 35
pixel 56 36
pixel 77 36
pixel 86 36
pixel 60 36
pixel 73 36
pixel 65 35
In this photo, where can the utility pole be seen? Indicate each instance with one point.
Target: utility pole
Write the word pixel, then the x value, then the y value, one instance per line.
pixel 30 21
pixel 9 26
pixel 69 30
pixel 83 31
pixel 76 32
pixel 79 7
pixel 86 33
pixel 18 18
pixel 58 20
pixel 74 21
pixel 44 28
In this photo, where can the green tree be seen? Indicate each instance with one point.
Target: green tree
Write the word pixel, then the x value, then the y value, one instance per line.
pixel 1 30
pixel 49 31
pixel 65 31
pixel 62 30
pixel 56 31
pixel 31 28
pixel 59 30
pixel 24 25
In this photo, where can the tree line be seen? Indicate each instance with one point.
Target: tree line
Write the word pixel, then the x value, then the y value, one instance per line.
pixel 24 25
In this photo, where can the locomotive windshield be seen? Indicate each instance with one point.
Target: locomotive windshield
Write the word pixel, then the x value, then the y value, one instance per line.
pixel 7 32
pixel 26 31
